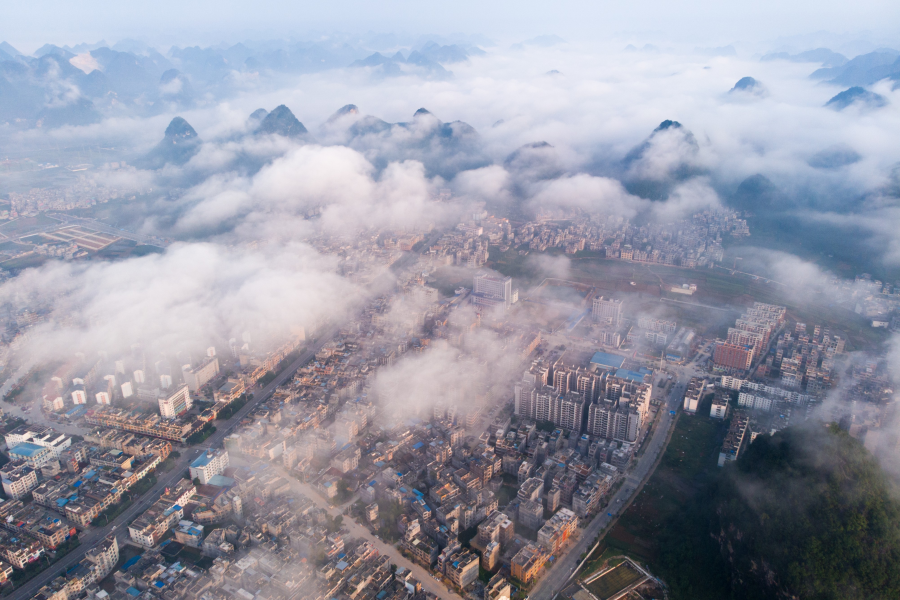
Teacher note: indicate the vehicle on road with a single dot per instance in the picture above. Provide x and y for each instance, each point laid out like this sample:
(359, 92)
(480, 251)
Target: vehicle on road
(609, 514)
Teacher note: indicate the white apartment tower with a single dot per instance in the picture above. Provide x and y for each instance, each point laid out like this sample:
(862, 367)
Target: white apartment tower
(491, 290)
(608, 310)
(173, 404)
(197, 377)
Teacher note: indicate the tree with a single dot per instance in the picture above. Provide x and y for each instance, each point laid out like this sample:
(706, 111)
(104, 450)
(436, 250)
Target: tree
(814, 507)
(197, 481)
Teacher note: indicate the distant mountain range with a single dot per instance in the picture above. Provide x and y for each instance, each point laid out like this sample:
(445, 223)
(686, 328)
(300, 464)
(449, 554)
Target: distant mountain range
(837, 69)
(132, 78)
(426, 60)
(857, 96)
(444, 148)
(863, 70)
(824, 56)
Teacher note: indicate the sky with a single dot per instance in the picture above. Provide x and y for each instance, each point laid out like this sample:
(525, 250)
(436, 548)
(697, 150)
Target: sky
(30, 24)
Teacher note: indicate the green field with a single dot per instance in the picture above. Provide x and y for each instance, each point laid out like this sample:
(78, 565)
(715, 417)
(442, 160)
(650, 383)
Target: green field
(23, 262)
(662, 527)
(612, 582)
(25, 225)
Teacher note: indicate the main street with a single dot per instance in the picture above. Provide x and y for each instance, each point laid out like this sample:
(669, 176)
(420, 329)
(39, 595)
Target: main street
(429, 583)
(93, 535)
(556, 578)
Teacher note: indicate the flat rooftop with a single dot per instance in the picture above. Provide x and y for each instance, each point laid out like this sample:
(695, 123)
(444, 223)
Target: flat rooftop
(608, 360)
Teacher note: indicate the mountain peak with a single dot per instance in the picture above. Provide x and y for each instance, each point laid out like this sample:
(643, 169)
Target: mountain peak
(7, 47)
(745, 83)
(179, 129)
(347, 109)
(177, 147)
(281, 121)
(421, 112)
(856, 96)
(668, 124)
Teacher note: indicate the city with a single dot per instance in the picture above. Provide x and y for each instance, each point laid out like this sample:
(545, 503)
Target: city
(558, 346)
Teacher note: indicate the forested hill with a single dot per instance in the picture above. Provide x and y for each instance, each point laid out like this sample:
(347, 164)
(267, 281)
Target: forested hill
(809, 514)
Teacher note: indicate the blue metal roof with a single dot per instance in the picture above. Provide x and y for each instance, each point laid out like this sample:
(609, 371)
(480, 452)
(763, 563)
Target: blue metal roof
(608, 360)
(202, 460)
(26, 449)
(631, 375)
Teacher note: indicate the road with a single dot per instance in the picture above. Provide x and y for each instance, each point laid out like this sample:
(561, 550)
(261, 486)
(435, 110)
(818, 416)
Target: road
(556, 578)
(94, 534)
(429, 584)
(223, 428)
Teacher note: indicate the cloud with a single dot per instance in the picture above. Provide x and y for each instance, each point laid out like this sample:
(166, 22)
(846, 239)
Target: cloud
(589, 193)
(688, 198)
(191, 295)
(336, 182)
(546, 265)
(85, 62)
(455, 375)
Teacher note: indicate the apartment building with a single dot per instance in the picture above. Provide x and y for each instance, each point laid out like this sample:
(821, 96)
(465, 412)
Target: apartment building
(208, 465)
(19, 478)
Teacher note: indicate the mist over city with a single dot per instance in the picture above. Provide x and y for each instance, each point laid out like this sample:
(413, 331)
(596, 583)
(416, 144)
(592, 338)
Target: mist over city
(499, 301)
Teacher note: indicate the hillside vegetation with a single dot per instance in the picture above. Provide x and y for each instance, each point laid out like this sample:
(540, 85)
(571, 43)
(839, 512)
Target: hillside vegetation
(808, 513)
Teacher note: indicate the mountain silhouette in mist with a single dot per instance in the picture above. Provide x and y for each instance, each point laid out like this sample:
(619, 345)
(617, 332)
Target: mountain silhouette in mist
(756, 194)
(826, 57)
(857, 96)
(281, 121)
(665, 158)
(834, 157)
(864, 69)
(177, 147)
(748, 86)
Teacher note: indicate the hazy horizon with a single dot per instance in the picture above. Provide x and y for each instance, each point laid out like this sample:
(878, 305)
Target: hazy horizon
(167, 23)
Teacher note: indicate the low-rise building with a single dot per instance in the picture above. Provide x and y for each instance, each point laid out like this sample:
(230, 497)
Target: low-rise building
(490, 557)
(36, 456)
(189, 533)
(527, 562)
(19, 478)
(149, 528)
(531, 514)
(555, 532)
(208, 465)
(462, 569)
(693, 394)
(498, 588)
(36, 522)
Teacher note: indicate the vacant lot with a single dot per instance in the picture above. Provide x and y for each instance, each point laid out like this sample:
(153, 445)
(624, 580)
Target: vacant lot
(685, 467)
